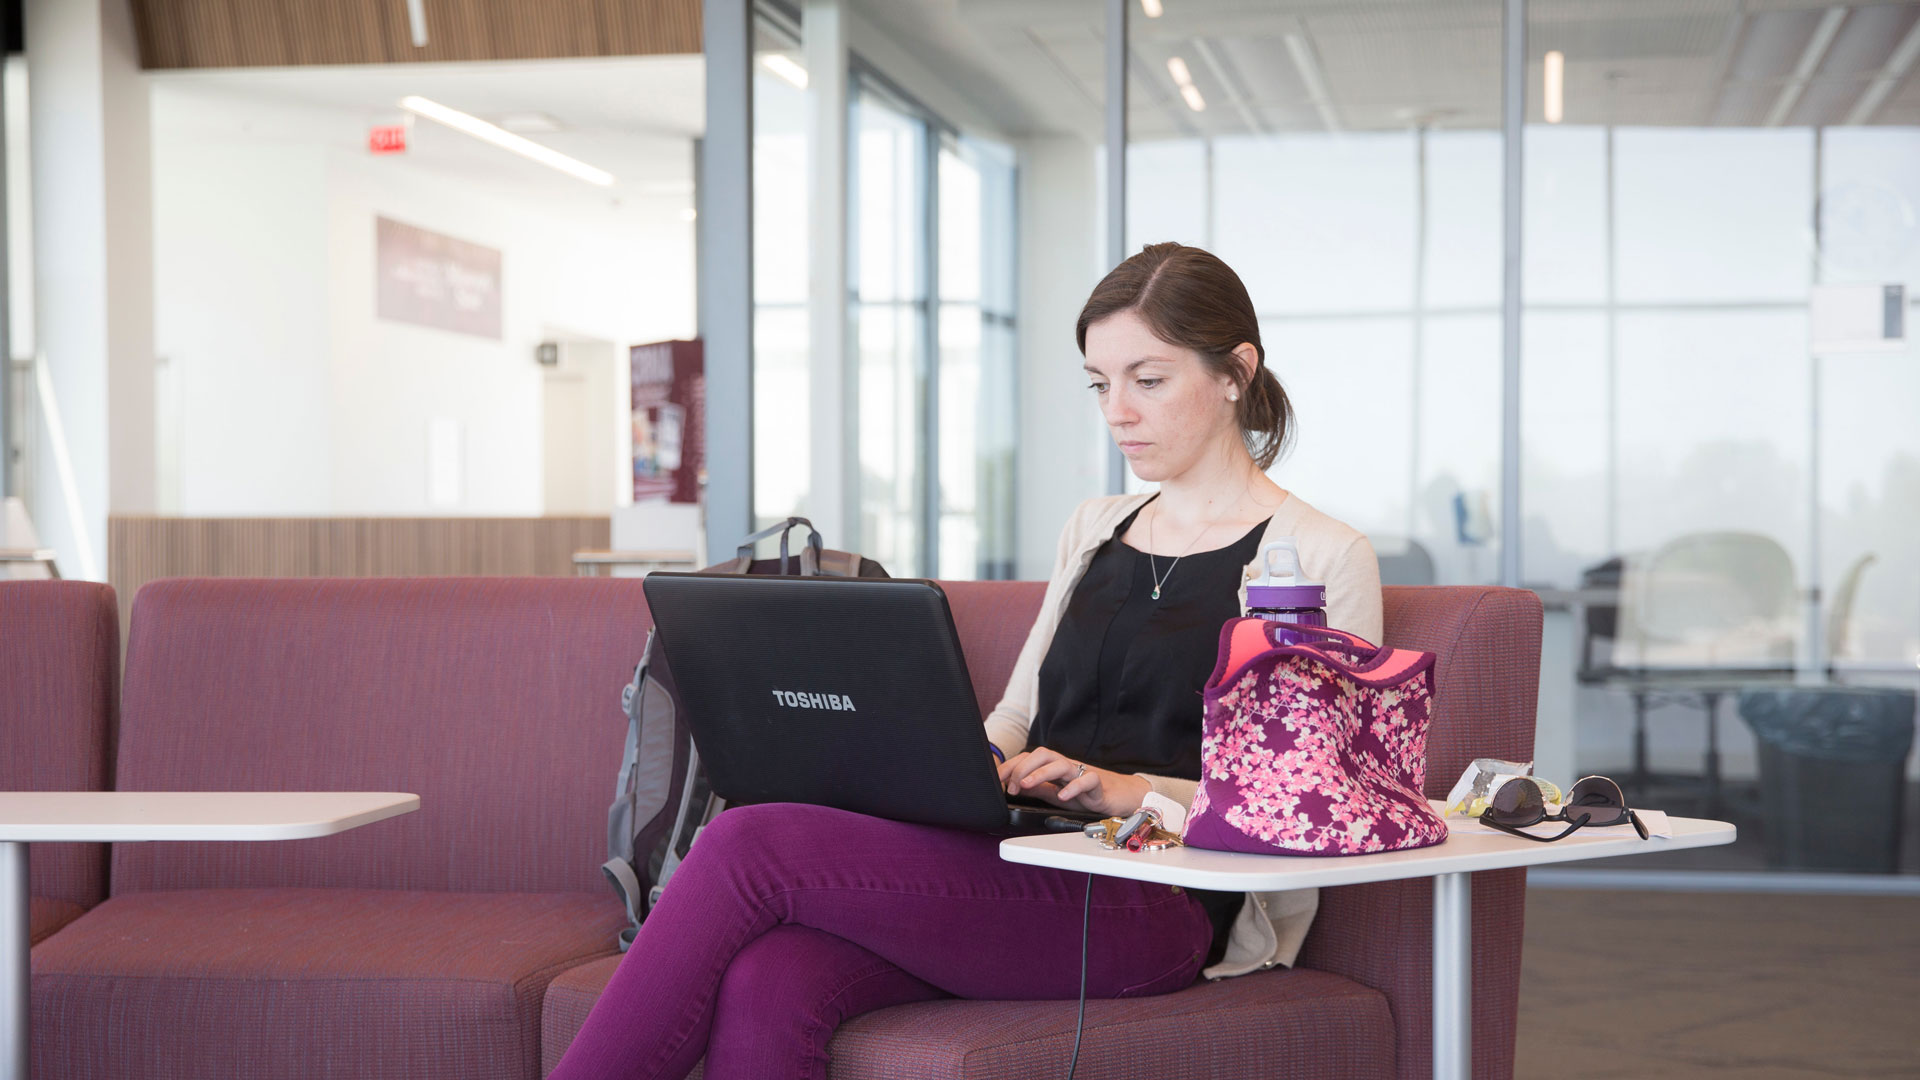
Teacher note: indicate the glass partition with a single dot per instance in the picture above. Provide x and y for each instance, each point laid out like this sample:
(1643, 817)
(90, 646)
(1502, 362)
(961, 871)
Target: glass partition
(1357, 194)
(1719, 470)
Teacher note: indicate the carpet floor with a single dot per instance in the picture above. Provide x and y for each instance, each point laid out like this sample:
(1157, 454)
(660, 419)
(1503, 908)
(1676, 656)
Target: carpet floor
(1647, 985)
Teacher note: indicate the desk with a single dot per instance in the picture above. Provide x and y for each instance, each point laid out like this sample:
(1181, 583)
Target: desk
(1469, 847)
(42, 556)
(592, 563)
(1565, 639)
(124, 816)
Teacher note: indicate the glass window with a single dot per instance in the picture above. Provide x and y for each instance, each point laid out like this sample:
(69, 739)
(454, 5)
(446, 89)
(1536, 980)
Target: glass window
(977, 377)
(782, 346)
(1869, 446)
(891, 311)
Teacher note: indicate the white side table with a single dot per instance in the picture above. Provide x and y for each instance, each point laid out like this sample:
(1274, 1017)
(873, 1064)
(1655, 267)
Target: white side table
(124, 816)
(1469, 847)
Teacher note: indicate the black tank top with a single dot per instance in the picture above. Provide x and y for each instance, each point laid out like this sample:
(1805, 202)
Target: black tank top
(1120, 685)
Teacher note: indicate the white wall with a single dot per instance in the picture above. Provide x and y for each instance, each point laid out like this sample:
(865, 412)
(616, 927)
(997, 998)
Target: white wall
(240, 298)
(295, 398)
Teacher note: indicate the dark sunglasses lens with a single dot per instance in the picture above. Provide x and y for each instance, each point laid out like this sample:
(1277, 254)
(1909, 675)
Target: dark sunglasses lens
(1596, 800)
(1518, 802)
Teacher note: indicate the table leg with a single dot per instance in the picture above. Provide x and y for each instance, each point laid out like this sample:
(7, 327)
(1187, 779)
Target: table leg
(1452, 976)
(15, 973)
(1711, 698)
(1641, 778)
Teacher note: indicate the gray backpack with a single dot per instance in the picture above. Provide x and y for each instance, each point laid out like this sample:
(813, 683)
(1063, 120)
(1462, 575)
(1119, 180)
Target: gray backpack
(661, 799)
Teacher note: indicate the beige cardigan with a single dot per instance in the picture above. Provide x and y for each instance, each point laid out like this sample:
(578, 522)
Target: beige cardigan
(1271, 926)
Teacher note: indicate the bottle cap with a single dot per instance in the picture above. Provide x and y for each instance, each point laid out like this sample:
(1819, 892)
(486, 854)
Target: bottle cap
(1284, 585)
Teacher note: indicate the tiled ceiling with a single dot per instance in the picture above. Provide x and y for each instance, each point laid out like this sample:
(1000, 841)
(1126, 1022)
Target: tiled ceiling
(1281, 65)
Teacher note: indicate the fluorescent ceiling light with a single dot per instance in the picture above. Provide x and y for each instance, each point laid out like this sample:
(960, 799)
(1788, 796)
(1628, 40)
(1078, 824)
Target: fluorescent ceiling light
(1151, 8)
(782, 65)
(1194, 100)
(505, 140)
(417, 22)
(1553, 80)
(1178, 69)
(530, 123)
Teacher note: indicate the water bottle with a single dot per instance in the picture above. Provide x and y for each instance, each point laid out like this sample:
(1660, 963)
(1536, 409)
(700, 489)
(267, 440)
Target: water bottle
(1283, 594)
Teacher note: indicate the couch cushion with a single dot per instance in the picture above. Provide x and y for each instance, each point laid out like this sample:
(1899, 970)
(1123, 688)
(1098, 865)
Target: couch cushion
(45, 915)
(570, 997)
(60, 674)
(349, 983)
(1304, 1024)
(496, 700)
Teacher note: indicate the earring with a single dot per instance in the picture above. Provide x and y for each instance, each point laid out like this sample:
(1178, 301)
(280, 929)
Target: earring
(1233, 397)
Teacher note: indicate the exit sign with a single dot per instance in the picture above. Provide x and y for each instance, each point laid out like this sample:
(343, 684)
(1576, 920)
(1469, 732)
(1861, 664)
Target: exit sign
(387, 138)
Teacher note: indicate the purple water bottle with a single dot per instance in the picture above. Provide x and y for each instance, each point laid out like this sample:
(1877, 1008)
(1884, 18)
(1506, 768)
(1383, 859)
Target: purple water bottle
(1283, 594)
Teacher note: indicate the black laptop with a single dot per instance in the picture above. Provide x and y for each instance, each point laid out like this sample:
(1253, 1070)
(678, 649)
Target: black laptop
(844, 692)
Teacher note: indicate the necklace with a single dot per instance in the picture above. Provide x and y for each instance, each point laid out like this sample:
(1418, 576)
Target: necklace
(1158, 578)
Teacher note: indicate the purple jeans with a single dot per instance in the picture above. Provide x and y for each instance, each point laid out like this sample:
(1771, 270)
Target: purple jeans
(785, 920)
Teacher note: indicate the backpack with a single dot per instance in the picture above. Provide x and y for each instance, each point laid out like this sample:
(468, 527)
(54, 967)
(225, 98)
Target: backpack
(661, 799)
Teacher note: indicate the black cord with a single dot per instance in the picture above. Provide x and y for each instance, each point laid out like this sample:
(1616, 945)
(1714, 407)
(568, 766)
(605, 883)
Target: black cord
(1079, 1025)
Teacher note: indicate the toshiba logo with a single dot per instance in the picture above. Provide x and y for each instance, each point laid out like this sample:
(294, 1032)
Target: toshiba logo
(794, 700)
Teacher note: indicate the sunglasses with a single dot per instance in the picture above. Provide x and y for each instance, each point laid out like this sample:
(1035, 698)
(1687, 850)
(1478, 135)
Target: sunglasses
(1595, 800)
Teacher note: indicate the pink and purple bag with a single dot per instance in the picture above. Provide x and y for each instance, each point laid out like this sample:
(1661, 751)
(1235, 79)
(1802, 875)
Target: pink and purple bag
(1314, 743)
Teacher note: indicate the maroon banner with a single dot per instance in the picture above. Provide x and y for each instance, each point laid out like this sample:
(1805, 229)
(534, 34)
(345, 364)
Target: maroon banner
(428, 279)
(669, 420)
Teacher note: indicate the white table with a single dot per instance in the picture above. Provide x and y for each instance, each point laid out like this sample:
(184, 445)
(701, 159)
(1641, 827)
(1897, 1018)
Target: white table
(1469, 847)
(125, 816)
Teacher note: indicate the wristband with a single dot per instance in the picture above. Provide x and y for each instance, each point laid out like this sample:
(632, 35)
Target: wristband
(998, 755)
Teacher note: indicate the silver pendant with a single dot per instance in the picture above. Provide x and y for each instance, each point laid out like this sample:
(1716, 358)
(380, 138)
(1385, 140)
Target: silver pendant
(1156, 592)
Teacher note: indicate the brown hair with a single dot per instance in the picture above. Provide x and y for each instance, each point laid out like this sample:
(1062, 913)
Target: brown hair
(1189, 298)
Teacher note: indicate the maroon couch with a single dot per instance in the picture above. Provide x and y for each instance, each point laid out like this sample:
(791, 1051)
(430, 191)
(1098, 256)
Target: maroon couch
(414, 947)
(59, 688)
(1359, 1004)
(470, 938)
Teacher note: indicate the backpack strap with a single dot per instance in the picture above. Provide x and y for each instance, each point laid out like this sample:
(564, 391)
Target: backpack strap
(743, 558)
(650, 772)
(618, 868)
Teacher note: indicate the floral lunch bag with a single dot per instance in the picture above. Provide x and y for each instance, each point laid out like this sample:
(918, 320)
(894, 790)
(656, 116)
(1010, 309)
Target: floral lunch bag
(1315, 743)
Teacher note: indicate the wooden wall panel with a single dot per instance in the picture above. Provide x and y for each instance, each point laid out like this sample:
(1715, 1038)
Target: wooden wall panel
(280, 33)
(143, 549)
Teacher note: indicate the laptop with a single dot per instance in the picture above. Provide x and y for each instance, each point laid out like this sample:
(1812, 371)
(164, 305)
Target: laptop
(843, 692)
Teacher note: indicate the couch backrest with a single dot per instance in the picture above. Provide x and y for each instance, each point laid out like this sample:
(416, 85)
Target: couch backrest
(1486, 643)
(496, 700)
(59, 692)
(992, 618)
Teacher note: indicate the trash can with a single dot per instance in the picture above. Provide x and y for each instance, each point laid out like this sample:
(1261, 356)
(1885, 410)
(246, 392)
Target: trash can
(1833, 773)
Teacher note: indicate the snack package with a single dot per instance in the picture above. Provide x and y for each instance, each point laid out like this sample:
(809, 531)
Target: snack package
(1469, 796)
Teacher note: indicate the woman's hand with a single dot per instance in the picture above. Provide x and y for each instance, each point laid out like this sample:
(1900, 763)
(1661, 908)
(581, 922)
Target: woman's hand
(1058, 779)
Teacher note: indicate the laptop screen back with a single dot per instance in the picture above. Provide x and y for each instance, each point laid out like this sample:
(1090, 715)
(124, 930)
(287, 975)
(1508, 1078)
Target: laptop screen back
(845, 692)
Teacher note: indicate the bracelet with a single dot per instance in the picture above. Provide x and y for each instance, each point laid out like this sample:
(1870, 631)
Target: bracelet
(998, 754)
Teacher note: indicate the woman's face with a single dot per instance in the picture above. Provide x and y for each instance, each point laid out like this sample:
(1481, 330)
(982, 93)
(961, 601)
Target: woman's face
(1166, 411)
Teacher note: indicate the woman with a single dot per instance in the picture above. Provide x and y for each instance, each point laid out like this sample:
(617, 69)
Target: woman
(811, 915)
